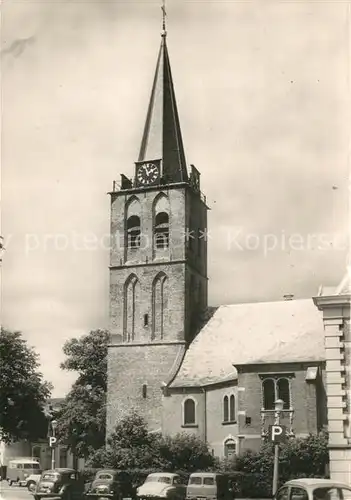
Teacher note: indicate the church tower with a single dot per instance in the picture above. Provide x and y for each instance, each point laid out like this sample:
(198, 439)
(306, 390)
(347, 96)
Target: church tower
(158, 261)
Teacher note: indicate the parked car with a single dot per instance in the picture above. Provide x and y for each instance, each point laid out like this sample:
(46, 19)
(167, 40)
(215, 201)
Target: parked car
(313, 489)
(111, 484)
(210, 486)
(162, 485)
(67, 484)
(32, 481)
(18, 470)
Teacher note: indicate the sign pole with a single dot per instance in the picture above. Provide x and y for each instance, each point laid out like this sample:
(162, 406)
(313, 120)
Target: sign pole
(52, 442)
(276, 468)
(276, 431)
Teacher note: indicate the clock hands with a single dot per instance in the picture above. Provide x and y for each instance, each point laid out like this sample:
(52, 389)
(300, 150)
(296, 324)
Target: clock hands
(147, 173)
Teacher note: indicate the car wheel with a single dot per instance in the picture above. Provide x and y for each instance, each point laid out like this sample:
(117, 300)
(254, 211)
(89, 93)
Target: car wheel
(31, 486)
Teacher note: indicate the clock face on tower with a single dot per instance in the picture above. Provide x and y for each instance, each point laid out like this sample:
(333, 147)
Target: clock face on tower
(147, 174)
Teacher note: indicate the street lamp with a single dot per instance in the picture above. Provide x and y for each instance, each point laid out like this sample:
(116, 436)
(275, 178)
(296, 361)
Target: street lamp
(278, 408)
(53, 427)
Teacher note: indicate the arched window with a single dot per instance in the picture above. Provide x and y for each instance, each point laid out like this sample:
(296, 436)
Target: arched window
(161, 231)
(133, 231)
(229, 449)
(159, 305)
(269, 398)
(225, 409)
(232, 408)
(131, 304)
(283, 391)
(189, 417)
(273, 389)
(161, 210)
(133, 227)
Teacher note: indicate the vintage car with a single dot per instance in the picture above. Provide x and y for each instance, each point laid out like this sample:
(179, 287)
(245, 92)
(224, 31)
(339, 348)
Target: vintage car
(67, 484)
(111, 484)
(162, 485)
(209, 485)
(313, 489)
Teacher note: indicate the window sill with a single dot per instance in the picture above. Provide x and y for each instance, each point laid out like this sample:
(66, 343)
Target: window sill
(191, 426)
(229, 422)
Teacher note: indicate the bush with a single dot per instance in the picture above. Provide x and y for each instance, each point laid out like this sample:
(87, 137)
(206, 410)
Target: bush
(185, 451)
(132, 447)
(298, 457)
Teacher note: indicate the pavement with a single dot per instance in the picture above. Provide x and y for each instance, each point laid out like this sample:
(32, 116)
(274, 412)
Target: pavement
(14, 492)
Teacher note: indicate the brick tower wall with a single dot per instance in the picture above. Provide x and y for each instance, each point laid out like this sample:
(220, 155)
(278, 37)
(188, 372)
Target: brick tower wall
(129, 368)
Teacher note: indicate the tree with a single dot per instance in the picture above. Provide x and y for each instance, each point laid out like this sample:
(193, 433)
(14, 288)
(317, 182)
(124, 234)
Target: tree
(82, 419)
(23, 392)
(308, 457)
(185, 452)
(131, 446)
(299, 457)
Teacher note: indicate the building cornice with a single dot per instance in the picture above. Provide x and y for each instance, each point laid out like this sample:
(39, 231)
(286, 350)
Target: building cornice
(325, 301)
(147, 344)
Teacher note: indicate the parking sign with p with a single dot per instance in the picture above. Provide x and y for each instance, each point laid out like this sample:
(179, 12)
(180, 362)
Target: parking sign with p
(52, 441)
(277, 433)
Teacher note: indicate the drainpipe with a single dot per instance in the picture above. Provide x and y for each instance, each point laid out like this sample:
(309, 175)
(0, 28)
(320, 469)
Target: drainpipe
(205, 413)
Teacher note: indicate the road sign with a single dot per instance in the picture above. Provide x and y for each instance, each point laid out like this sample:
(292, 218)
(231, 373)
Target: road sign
(277, 433)
(52, 441)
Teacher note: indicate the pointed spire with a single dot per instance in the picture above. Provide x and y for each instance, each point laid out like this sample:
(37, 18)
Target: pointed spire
(162, 138)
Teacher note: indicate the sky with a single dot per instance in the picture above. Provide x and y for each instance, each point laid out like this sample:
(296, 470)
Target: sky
(263, 98)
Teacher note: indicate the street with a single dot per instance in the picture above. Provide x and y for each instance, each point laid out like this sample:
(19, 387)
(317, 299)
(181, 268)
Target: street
(13, 492)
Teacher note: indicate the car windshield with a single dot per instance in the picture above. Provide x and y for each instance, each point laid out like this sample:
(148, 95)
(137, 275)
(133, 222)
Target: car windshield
(158, 479)
(31, 466)
(50, 476)
(104, 476)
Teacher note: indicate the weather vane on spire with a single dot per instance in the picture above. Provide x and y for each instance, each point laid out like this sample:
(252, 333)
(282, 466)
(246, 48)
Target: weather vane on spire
(163, 8)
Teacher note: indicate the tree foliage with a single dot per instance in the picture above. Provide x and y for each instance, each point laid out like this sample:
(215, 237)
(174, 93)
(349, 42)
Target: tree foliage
(299, 457)
(131, 446)
(87, 356)
(23, 392)
(82, 419)
(185, 452)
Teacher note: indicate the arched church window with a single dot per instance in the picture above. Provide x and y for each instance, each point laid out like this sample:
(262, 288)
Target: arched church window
(225, 409)
(159, 304)
(283, 391)
(133, 231)
(232, 408)
(133, 225)
(269, 398)
(131, 303)
(161, 231)
(161, 210)
(189, 410)
(273, 389)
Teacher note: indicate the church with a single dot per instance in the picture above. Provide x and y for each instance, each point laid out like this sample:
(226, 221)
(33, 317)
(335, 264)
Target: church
(214, 372)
